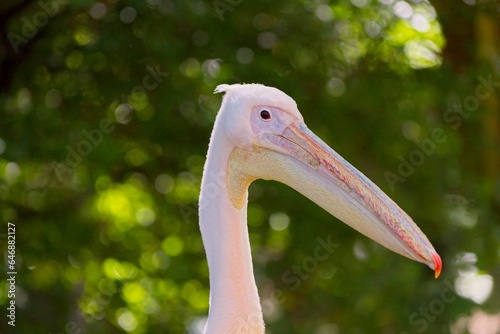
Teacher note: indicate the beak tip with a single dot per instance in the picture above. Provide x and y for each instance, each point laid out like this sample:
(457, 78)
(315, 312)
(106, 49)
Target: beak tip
(438, 265)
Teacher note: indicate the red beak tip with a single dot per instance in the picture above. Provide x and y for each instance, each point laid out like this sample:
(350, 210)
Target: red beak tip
(438, 265)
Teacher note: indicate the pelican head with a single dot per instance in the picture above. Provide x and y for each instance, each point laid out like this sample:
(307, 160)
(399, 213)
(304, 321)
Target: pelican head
(271, 141)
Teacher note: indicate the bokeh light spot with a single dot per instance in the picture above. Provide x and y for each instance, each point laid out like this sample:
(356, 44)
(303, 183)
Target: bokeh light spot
(98, 10)
(145, 216)
(126, 320)
(123, 113)
(128, 14)
(420, 23)
(173, 245)
(12, 172)
(403, 9)
(335, 87)
(279, 221)
(267, 40)
(244, 55)
(324, 13)
(164, 183)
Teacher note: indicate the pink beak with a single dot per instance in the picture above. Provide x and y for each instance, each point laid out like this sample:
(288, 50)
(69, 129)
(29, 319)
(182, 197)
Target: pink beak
(311, 167)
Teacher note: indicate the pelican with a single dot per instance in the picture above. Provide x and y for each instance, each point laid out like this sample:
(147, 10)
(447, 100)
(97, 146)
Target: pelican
(260, 134)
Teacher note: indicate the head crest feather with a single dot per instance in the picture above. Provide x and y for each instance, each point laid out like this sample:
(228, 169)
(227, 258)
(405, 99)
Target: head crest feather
(221, 88)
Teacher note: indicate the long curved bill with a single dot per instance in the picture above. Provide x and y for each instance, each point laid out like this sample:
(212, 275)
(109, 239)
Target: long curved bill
(298, 158)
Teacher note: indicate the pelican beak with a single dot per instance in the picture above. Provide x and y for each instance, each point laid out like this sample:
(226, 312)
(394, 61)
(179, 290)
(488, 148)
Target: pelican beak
(298, 158)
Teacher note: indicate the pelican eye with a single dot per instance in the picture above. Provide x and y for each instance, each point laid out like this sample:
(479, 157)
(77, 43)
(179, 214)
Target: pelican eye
(265, 115)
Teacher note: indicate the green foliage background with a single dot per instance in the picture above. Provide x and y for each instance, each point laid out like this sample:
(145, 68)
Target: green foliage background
(108, 241)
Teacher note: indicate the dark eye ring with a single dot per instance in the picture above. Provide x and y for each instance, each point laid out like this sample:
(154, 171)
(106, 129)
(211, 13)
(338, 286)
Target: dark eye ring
(265, 115)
